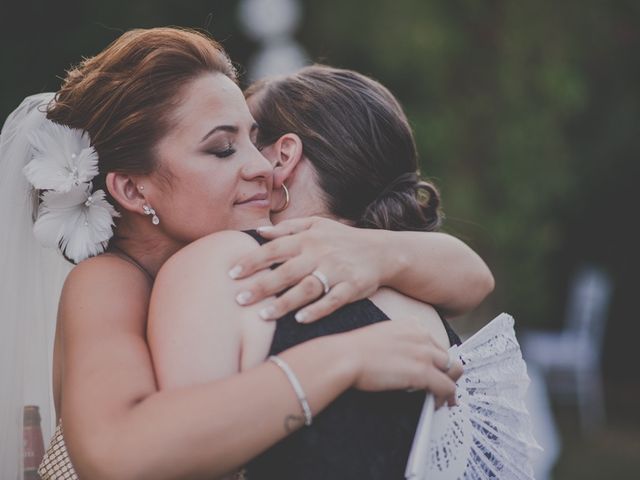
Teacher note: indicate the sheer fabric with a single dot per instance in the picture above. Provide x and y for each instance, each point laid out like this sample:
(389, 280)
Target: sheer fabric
(31, 278)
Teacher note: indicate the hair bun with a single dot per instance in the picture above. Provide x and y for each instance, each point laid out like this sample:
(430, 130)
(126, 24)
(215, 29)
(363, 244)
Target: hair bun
(407, 203)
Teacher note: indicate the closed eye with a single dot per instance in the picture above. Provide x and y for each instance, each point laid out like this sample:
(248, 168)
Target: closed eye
(227, 152)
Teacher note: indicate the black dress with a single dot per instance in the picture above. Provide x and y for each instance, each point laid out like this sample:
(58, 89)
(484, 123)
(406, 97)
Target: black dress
(361, 435)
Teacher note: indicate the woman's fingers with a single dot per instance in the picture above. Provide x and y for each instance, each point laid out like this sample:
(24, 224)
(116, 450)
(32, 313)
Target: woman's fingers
(298, 296)
(438, 383)
(441, 379)
(338, 296)
(287, 227)
(262, 258)
(304, 293)
(448, 363)
(275, 281)
(456, 370)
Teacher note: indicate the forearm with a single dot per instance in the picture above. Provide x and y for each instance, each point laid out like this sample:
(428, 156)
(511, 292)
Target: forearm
(435, 268)
(213, 429)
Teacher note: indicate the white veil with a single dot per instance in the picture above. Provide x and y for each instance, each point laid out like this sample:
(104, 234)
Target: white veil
(31, 278)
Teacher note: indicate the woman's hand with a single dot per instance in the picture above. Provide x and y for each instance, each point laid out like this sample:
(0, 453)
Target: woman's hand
(432, 267)
(351, 260)
(401, 355)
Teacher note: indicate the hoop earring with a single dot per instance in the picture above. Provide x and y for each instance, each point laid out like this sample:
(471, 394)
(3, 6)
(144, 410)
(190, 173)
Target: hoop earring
(150, 211)
(287, 200)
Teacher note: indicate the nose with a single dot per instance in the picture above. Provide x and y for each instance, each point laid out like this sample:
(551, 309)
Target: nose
(257, 167)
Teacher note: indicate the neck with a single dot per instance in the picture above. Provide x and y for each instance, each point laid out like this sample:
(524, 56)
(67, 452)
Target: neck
(147, 248)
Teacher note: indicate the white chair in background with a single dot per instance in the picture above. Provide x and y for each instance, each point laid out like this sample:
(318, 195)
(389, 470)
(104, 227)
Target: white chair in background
(570, 359)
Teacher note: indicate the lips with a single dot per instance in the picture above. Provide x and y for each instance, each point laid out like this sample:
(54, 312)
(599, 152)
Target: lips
(257, 198)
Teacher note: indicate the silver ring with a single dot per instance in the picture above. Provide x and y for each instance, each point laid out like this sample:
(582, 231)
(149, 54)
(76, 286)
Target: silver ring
(323, 280)
(450, 357)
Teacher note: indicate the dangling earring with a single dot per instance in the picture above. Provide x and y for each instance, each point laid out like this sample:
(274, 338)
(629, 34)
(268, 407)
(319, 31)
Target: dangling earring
(287, 199)
(150, 211)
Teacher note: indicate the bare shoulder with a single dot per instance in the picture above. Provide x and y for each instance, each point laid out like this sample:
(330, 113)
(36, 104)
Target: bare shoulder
(220, 248)
(398, 307)
(102, 286)
(197, 330)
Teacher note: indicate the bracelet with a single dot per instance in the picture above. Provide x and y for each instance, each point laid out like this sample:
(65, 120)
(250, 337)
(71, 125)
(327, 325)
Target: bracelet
(302, 398)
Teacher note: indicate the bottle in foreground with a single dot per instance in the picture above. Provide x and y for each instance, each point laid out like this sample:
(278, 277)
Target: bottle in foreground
(33, 451)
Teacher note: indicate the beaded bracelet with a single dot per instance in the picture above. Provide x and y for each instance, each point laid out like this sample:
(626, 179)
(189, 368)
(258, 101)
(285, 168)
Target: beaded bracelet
(302, 398)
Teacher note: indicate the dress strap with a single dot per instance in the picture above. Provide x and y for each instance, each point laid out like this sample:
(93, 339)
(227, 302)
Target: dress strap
(256, 236)
(128, 258)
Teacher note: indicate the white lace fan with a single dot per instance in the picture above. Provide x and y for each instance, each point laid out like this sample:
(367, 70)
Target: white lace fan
(488, 434)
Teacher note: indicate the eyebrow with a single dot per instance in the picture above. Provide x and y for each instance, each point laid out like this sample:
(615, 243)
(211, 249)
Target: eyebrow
(227, 128)
(220, 128)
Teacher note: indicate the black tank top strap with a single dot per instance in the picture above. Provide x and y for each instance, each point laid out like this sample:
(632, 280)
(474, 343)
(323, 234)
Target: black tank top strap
(454, 339)
(361, 435)
(256, 236)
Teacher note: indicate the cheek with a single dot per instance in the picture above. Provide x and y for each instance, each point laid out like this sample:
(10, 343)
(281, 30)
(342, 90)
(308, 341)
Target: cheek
(209, 197)
(198, 206)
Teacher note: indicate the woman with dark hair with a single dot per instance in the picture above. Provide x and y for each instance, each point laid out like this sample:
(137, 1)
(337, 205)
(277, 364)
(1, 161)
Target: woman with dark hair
(341, 148)
(147, 147)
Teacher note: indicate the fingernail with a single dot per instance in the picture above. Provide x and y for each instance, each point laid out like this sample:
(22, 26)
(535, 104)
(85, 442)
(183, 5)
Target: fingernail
(301, 317)
(267, 313)
(264, 229)
(235, 271)
(243, 298)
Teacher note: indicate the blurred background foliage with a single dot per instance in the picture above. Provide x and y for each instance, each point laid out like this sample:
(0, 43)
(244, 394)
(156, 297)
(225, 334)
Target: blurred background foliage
(526, 115)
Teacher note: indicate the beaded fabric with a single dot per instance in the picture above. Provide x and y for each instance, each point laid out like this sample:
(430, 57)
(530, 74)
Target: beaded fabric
(56, 464)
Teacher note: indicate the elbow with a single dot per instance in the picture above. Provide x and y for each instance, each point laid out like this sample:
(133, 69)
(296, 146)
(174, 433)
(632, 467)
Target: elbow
(478, 288)
(486, 283)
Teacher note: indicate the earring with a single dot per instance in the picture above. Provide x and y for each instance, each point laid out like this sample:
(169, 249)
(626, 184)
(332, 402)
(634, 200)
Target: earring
(150, 211)
(287, 199)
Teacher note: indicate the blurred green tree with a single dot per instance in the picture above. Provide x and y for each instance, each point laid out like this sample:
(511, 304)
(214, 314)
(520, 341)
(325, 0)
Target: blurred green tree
(519, 108)
(526, 114)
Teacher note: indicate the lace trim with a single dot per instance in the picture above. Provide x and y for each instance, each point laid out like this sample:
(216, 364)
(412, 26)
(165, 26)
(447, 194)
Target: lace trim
(488, 434)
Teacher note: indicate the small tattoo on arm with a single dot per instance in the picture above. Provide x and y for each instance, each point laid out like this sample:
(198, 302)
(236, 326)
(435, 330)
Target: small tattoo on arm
(293, 422)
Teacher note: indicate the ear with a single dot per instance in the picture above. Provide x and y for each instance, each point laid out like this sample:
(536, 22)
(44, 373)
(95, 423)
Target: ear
(124, 189)
(288, 149)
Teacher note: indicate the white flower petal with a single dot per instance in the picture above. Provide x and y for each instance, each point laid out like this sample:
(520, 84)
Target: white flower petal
(63, 158)
(87, 164)
(48, 228)
(70, 216)
(62, 200)
(56, 211)
(100, 217)
(45, 174)
(77, 243)
(80, 223)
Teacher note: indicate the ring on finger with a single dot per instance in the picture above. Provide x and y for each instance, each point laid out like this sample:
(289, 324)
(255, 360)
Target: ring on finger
(451, 356)
(323, 280)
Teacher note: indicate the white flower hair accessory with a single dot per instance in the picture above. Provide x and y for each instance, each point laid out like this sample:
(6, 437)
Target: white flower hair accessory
(71, 216)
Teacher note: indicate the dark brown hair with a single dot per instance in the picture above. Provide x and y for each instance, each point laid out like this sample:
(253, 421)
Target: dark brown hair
(358, 140)
(124, 95)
